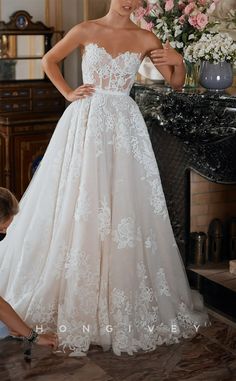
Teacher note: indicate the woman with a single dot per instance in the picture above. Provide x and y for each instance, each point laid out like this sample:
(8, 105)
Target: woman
(9, 320)
(98, 260)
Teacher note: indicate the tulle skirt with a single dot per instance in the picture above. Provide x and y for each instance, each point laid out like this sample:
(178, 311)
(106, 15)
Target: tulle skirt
(92, 253)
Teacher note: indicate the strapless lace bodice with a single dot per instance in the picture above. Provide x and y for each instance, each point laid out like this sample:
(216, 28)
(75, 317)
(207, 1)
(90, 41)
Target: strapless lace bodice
(106, 266)
(115, 74)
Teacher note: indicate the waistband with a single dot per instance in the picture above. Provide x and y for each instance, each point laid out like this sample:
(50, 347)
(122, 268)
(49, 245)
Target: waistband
(110, 92)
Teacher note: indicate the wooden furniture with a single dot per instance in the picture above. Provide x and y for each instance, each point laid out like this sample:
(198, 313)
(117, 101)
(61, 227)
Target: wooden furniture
(29, 109)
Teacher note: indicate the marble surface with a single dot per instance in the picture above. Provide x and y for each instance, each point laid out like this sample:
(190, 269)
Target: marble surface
(192, 114)
(210, 356)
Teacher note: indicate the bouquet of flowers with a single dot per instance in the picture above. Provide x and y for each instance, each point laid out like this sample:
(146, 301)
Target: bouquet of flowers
(179, 21)
(212, 47)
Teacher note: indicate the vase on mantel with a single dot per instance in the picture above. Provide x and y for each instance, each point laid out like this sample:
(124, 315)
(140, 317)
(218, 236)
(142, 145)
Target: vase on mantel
(216, 77)
(192, 74)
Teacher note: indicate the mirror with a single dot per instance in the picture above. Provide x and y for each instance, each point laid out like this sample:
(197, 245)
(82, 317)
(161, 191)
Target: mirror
(21, 57)
(22, 46)
(20, 70)
(12, 46)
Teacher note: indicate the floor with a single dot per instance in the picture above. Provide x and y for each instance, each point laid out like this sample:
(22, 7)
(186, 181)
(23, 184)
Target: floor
(210, 356)
(217, 272)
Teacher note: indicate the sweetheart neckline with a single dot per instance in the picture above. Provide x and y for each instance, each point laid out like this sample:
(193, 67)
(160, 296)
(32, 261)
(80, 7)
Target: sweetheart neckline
(137, 54)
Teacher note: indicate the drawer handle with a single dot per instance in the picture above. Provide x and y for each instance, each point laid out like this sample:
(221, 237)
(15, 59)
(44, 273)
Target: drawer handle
(15, 93)
(15, 105)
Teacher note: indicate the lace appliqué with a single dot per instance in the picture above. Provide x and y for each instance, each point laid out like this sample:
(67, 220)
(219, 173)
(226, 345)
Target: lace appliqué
(104, 219)
(157, 199)
(63, 273)
(151, 243)
(116, 73)
(162, 283)
(127, 234)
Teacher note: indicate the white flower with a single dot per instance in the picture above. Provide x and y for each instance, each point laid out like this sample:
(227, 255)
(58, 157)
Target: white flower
(178, 31)
(179, 45)
(171, 24)
(211, 9)
(212, 47)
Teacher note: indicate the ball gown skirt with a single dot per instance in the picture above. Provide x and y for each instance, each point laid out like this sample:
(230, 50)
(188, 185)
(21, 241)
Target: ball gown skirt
(91, 253)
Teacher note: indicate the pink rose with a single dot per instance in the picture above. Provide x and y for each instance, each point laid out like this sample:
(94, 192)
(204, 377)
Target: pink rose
(140, 12)
(202, 2)
(192, 21)
(169, 5)
(149, 26)
(189, 8)
(182, 19)
(202, 21)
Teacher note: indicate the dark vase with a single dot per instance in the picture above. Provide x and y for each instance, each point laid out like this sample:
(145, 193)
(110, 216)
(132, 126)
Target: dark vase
(216, 76)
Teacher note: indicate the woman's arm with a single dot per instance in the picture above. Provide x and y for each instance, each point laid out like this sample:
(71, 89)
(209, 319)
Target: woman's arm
(9, 317)
(13, 321)
(72, 40)
(167, 60)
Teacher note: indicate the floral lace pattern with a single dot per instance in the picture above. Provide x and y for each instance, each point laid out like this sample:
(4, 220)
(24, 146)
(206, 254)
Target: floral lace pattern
(104, 219)
(126, 235)
(92, 253)
(116, 73)
(162, 283)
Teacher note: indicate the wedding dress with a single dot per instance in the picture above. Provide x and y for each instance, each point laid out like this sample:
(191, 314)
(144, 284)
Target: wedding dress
(91, 253)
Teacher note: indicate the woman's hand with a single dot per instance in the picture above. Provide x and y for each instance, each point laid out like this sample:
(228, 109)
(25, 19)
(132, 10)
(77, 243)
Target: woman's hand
(81, 92)
(48, 340)
(166, 56)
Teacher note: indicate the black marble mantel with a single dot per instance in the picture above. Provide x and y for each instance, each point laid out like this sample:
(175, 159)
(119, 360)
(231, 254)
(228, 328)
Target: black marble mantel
(189, 129)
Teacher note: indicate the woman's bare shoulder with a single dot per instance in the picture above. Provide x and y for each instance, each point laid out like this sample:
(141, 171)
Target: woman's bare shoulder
(146, 40)
(150, 39)
(85, 26)
(83, 31)
(92, 24)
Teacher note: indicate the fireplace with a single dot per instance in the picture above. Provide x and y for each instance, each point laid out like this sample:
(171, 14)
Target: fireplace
(193, 136)
(213, 205)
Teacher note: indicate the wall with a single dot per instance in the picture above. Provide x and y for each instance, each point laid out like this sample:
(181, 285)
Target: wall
(210, 200)
(35, 8)
(96, 9)
(72, 15)
(223, 8)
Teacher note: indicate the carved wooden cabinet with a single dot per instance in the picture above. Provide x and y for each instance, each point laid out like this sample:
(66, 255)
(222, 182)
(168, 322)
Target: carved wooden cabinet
(29, 112)
(29, 108)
